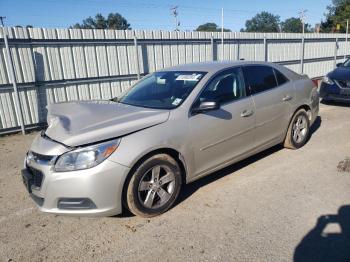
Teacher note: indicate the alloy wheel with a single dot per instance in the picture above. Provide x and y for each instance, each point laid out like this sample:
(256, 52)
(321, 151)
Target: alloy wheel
(300, 129)
(156, 187)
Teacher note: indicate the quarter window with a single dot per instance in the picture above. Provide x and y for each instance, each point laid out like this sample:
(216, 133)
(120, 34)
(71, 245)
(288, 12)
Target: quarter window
(281, 79)
(259, 78)
(226, 86)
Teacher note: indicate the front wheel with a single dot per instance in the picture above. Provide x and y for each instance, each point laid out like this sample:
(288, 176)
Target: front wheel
(298, 130)
(154, 186)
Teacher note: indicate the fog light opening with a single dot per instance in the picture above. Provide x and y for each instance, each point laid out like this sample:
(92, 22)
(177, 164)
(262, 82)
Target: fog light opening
(76, 203)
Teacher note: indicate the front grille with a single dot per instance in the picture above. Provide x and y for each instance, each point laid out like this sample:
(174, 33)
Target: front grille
(38, 176)
(39, 158)
(343, 83)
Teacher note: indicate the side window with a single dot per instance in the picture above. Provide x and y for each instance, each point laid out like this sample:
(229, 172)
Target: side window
(259, 78)
(226, 86)
(281, 78)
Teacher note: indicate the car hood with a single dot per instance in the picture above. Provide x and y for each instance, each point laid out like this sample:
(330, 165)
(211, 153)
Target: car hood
(340, 73)
(81, 123)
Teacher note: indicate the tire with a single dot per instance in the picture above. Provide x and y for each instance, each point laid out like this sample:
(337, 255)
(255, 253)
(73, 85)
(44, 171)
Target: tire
(293, 140)
(326, 101)
(154, 186)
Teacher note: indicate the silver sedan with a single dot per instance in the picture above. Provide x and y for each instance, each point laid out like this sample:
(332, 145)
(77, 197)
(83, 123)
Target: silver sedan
(172, 127)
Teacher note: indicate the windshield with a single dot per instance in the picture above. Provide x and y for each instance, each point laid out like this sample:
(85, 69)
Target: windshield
(162, 90)
(347, 63)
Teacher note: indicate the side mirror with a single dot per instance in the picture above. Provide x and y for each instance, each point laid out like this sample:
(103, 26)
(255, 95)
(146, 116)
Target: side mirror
(339, 64)
(206, 106)
(114, 99)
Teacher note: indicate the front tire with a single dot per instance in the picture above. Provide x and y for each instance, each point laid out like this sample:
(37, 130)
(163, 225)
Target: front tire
(154, 186)
(298, 130)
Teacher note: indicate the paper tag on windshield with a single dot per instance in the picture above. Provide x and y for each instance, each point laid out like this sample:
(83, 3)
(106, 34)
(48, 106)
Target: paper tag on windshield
(194, 77)
(177, 101)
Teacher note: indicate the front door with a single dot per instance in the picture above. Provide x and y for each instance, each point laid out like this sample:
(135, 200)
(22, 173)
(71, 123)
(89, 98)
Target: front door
(219, 136)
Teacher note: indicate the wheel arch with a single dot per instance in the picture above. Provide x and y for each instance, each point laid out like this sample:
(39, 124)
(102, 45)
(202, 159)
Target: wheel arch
(166, 150)
(306, 107)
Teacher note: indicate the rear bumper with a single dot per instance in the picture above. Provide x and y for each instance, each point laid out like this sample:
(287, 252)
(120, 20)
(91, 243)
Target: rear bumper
(315, 107)
(91, 192)
(335, 97)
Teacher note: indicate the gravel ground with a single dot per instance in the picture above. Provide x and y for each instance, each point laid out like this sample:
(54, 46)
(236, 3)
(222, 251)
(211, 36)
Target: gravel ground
(280, 205)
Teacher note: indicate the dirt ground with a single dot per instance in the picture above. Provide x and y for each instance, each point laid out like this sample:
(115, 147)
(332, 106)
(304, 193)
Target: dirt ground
(281, 205)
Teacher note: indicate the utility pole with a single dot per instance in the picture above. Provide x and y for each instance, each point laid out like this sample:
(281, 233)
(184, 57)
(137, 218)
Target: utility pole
(302, 50)
(302, 18)
(222, 34)
(346, 37)
(11, 72)
(175, 13)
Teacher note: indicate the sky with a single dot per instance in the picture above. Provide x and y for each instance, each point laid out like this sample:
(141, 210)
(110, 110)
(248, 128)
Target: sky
(155, 14)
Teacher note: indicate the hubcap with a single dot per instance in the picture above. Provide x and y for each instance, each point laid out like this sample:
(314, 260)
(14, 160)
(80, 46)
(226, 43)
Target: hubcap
(156, 187)
(299, 129)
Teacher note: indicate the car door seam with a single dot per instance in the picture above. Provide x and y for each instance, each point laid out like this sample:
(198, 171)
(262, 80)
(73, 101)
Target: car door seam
(226, 139)
(270, 120)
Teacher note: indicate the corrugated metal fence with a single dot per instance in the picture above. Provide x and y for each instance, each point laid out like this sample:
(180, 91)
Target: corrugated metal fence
(55, 65)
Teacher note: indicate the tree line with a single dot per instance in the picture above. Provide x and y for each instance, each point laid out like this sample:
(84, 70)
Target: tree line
(336, 15)
(335, 21)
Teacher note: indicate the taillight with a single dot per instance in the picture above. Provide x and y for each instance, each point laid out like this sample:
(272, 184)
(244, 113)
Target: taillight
(315, 81)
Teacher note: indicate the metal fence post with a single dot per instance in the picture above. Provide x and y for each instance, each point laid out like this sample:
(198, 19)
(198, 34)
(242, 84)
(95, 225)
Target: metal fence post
(11, 72)
(137, 57)
(346, 38)
(266, 54)
(335, 52)
(302, 53)
(212, 47)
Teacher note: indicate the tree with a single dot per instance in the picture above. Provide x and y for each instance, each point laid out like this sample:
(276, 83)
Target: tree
(337, 13)
(27, 26)
(113, 21)
(116, 21)
(211, 27)
(294, 25)
(263, 22)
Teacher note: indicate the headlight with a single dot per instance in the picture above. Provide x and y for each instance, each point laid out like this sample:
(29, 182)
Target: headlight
(327, 80)
(86, 157)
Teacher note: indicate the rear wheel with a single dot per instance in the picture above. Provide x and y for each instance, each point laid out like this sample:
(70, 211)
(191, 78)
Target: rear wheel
(154, 186)
(298, 130)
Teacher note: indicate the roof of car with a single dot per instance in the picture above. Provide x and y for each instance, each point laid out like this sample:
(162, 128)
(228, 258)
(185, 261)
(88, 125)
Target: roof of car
(212, 66)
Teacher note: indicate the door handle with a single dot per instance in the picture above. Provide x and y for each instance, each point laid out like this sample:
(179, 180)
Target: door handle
(247, 113)
(287, 98)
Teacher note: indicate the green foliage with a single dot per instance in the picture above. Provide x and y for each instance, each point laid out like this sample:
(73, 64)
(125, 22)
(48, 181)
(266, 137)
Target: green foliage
(294, 25)
(27, 26)
(113, 21)
(337, 13)
(210, 27)
(263, 22)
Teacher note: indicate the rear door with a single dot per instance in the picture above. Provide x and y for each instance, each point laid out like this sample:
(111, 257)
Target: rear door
(272, 93)
(219, 136)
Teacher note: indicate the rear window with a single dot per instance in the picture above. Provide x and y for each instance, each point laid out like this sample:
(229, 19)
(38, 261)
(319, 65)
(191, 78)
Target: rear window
(259, 78)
